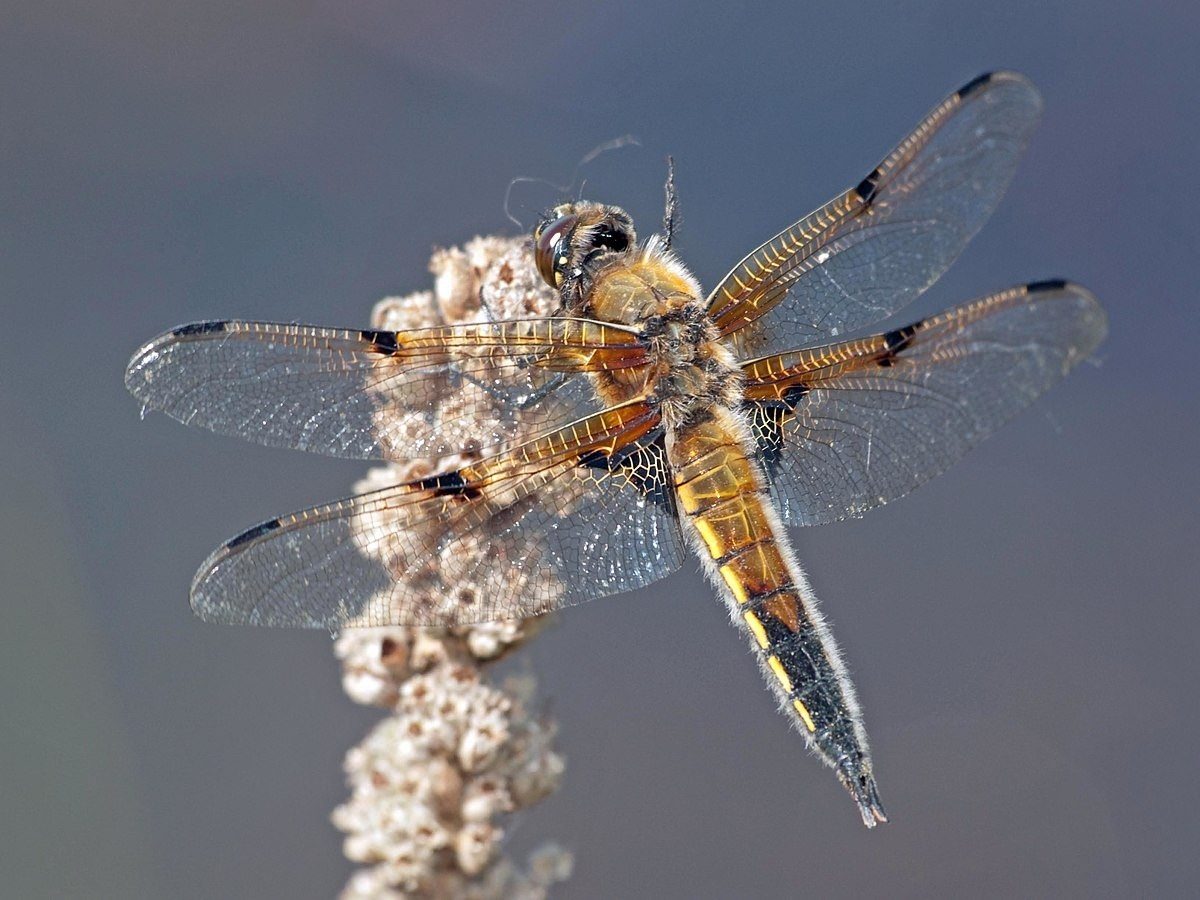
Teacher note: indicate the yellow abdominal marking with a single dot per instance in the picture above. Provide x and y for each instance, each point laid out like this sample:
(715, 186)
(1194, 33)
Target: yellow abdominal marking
(708, 535)
(804, 714)
(760, 633)
(777, 668)
(735, 584)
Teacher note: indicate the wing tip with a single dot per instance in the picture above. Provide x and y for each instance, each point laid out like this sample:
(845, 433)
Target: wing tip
(205, 607)
(1093, 318)
(137, 376)
(205, 603)
(996, 77)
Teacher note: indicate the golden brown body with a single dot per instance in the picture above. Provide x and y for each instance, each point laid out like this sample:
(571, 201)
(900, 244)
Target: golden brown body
(723, 503)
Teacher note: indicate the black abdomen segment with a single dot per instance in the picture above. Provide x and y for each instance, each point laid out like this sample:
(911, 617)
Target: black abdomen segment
(800, 664)
(811, 679)
(721, 496)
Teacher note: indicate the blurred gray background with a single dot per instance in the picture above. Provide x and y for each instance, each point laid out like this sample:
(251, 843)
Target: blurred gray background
(1022, 630)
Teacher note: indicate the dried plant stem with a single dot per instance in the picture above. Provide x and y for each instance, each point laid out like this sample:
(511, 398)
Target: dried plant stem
(431, 782)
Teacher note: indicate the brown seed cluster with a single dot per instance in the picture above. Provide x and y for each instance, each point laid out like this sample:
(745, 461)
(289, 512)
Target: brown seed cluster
(430, 783)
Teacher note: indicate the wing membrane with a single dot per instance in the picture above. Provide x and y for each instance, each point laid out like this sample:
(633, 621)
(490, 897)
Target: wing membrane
(379, 394)
(579, 513)
(846, 427)
(875, 248)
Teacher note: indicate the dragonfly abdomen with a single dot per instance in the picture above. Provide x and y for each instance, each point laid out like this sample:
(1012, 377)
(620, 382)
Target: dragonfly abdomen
(724, 504)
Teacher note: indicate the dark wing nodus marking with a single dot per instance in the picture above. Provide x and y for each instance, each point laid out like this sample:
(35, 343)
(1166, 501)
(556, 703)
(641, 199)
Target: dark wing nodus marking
(643, 464)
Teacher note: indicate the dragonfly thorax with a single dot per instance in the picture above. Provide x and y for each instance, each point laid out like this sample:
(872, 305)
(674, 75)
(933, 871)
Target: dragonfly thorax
(649, 289)
(695, 370)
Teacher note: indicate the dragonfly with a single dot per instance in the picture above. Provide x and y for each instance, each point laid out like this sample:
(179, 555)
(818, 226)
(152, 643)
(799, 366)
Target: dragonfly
(594, 449)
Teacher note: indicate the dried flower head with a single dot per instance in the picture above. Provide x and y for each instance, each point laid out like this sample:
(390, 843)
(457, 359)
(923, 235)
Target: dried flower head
(430, 783)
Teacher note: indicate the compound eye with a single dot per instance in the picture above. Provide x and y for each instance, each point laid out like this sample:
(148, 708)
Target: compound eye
(550, 248)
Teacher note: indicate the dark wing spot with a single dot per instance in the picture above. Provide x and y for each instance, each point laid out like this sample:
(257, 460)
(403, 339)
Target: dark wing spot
(794, 395)
(252, 534)
(974, 84)
(766, 424)
(594, 459)
(200, 328)
(895, 341)
(450, 484)
(1039, 287)
(868, 186)
(642, 464)
(380, 341)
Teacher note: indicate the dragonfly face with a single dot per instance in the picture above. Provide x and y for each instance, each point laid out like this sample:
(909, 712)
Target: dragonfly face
(572, 238)
(647, 419)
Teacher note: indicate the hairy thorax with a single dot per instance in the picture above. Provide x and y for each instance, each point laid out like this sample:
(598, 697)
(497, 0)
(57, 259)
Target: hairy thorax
(651, 290)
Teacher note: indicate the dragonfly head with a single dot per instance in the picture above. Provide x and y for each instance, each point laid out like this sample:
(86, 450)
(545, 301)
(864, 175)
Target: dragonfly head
(573, 235)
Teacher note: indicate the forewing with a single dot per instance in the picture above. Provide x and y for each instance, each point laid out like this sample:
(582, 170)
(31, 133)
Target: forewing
(875, 248)
(846, 427)
(580, 513)
(380, 394)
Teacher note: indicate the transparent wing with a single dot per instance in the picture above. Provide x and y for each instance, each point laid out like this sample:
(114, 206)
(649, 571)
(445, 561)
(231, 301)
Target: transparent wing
(379, 394)
(850, 426)
(875, 248)
(580, 513)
